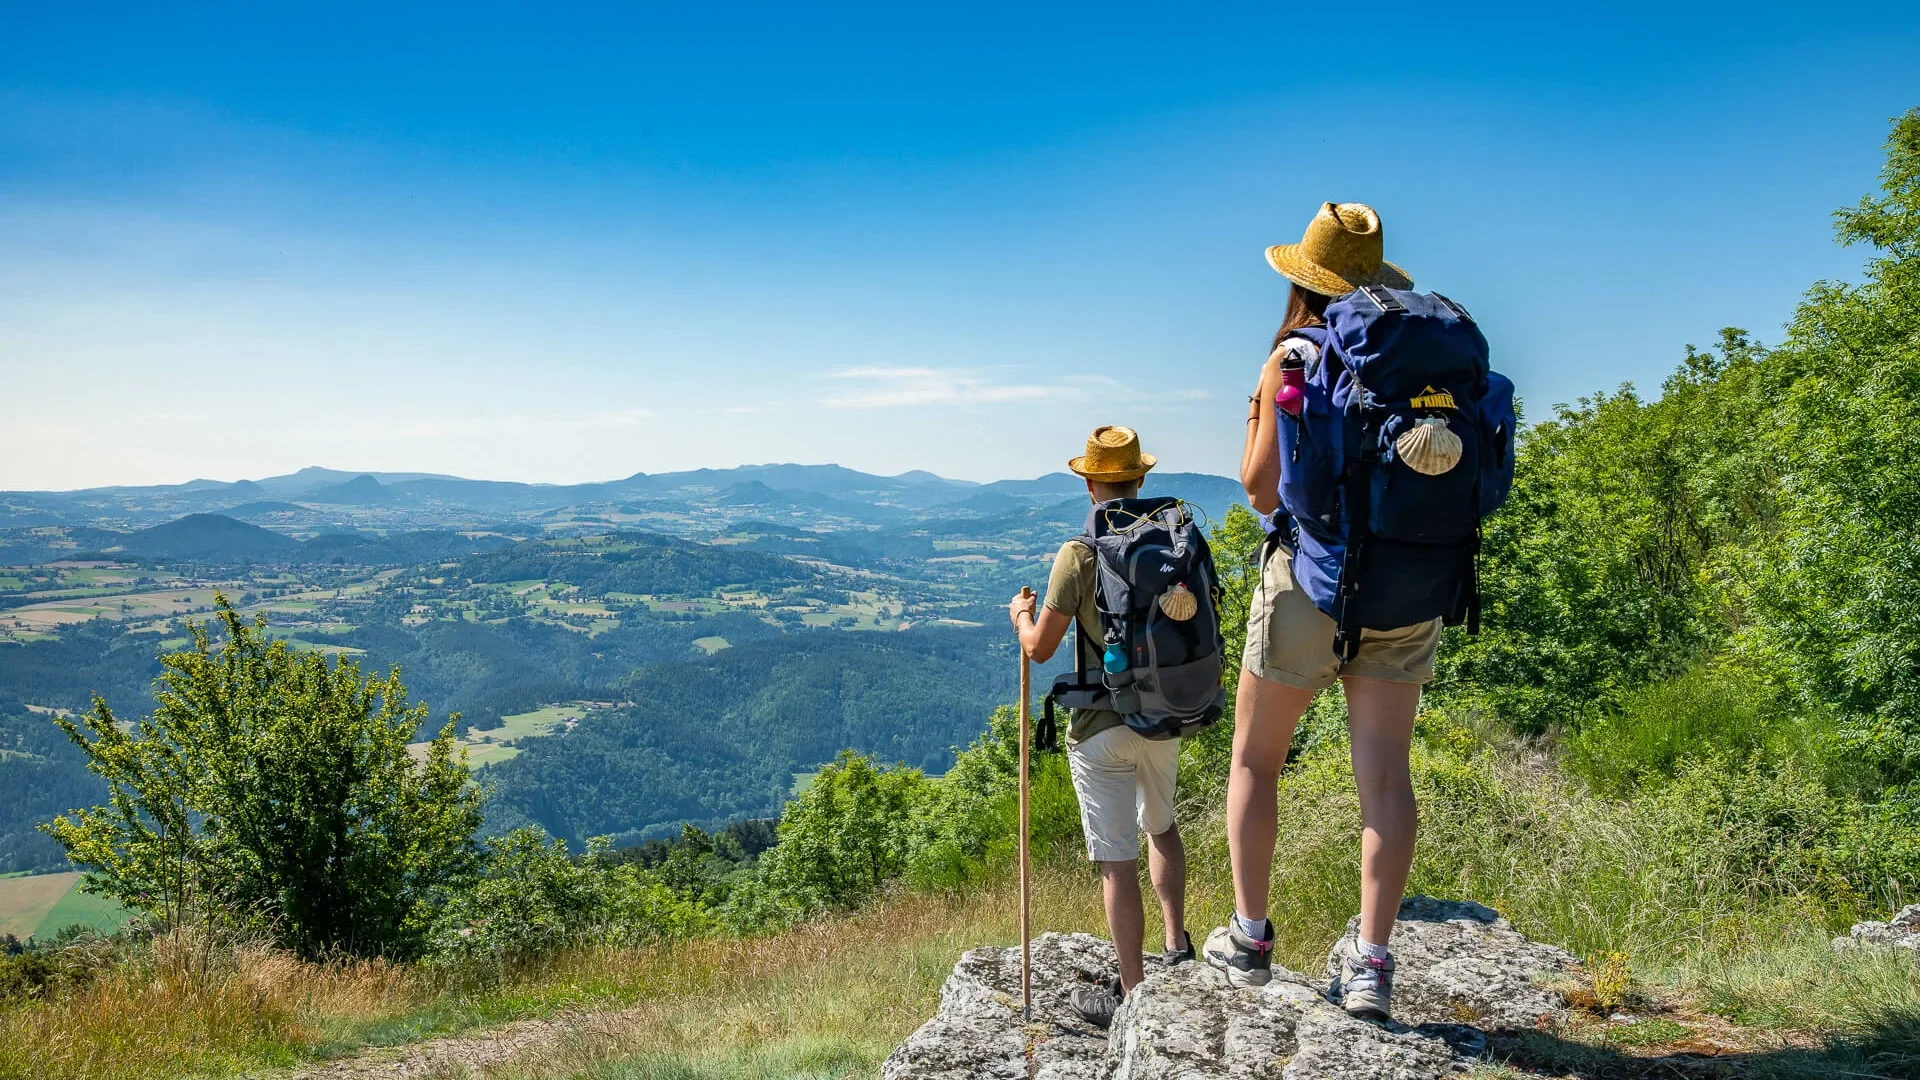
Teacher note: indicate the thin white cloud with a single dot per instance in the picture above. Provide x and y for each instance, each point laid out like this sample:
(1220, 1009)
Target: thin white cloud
(897, 387)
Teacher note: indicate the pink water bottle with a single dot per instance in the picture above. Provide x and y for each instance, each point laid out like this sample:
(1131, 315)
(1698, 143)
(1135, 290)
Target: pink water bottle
(1292, 395)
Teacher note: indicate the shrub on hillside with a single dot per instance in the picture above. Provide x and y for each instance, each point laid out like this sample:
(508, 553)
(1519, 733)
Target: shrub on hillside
(70, 959)
(847, 834)
(1764, 506)
(532, 898)
(29, 974)
(1704, 712)
(1834, 589)
(273, 790)
(988, 772)
(859, 826)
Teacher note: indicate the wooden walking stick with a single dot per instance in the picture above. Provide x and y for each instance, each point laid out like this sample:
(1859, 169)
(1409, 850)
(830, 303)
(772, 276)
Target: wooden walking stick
(1026, 933)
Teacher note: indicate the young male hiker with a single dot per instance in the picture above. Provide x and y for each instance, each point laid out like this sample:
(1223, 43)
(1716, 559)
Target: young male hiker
(1124, 780)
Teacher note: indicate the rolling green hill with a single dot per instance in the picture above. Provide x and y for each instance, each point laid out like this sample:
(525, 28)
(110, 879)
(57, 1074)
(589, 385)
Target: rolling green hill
(210, 538)
(632, 562)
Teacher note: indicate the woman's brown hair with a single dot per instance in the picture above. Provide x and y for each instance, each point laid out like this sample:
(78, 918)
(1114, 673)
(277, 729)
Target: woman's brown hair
(1304, 308)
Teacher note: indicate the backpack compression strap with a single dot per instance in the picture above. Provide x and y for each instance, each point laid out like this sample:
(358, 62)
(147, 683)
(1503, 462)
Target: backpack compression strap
(1046, 730)
(1346, 604)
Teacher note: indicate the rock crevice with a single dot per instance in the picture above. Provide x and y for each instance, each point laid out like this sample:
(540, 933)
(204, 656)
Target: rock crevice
(1464, 973)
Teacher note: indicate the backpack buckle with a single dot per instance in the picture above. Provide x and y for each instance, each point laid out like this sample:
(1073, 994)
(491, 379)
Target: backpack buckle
(1453, 307)
(1384, 300)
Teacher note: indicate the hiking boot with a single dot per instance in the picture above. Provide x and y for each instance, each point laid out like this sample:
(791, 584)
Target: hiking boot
(1247, 961)
(1364, 985)
(1181, 955)
(1097, 1004)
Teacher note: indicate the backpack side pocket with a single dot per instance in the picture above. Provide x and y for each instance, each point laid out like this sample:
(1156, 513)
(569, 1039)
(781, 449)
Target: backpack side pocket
(1497, 426)
(1311, 452)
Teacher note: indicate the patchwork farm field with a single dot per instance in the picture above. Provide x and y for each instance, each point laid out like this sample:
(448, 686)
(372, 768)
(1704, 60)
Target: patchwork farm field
(40, 905)
(44, 600)
(490, 745)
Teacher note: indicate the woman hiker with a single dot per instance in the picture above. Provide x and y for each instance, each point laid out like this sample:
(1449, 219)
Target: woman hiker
(1290, 657)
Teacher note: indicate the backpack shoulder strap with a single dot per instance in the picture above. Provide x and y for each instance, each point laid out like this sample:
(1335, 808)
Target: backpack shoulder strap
(1316, 336)
(1080, 632)
(1320, 349)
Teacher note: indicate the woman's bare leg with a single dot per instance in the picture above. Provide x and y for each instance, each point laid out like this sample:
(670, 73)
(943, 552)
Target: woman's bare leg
(1264, 717)
(1380, 721)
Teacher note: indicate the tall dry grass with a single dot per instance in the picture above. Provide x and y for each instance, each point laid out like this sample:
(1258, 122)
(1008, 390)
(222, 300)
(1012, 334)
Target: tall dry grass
(1675, 889)
(184, 1004)
(849, 985)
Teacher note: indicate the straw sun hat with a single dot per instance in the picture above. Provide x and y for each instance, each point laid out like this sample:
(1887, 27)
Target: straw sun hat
(1341, 251)
(1113, 456)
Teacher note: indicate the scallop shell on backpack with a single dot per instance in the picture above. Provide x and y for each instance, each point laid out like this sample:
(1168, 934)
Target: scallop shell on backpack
(1429, 446)
(1179, 603)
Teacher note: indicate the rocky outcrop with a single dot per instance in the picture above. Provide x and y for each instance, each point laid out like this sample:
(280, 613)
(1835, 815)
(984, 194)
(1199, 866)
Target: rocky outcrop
(1463, 973)
(1900, 932)
(977, 1031)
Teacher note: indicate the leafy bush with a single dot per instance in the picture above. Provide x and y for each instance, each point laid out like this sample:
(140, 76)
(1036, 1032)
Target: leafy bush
(859, 826)
(847, 834)
(534, 898)
(71, 959)
(1703, 713)
(989, 772)
(274, 790)
(28, 974)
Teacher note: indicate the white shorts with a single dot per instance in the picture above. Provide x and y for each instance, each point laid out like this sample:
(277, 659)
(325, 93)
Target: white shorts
(1125, 784)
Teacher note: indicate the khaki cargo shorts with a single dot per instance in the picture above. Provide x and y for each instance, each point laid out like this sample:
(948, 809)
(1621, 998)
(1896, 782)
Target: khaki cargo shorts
(1125, 784)
(1290, 641)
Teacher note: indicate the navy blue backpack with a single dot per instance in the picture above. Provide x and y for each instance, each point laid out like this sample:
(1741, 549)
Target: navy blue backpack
(1379, 544)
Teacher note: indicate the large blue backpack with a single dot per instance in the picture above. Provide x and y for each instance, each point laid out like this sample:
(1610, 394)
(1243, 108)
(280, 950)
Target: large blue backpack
(1379, 545)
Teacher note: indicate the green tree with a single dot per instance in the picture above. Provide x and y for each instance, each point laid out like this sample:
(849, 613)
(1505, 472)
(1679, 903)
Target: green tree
(1834, 584)
(272, 788)
(1592, 573)
(1757, 526)
(531, 897)
(845, 836)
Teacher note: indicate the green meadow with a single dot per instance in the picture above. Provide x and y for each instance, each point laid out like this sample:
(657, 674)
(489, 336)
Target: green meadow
(40, 905)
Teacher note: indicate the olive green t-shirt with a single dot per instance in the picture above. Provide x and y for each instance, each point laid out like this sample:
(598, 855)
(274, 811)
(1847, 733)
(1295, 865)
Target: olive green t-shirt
(1070, 592)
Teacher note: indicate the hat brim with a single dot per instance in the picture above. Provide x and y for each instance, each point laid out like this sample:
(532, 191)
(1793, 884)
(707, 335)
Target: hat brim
(1147, 462)
(1304, 272)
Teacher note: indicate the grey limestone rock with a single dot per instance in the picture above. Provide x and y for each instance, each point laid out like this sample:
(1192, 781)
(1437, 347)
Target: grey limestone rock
(1462, 972)
(977, 1033)
(1458, 962)
(1187, 1024)
(1900, 932)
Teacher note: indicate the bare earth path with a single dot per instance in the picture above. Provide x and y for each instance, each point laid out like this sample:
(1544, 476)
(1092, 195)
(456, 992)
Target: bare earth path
(454, 1056)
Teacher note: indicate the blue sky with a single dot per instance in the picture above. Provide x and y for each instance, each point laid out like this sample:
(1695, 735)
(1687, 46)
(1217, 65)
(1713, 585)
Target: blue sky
(567, 242)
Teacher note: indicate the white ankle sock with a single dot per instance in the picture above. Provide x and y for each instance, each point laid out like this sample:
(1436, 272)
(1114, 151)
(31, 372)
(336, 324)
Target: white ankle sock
(1369, 949)
(1257, 929)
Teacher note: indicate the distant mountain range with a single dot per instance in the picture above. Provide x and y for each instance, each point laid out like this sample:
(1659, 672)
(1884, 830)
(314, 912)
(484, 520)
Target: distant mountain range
(315, 497)
(215, 538)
